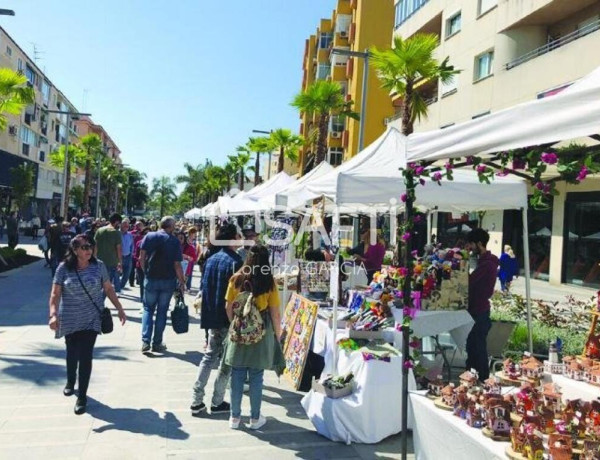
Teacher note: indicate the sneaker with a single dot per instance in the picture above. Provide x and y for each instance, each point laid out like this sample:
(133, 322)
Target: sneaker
(234, 423)
(69, 390)
(160, 348)
(258, 423)
(221, 408)
(197, 408)
(145, 347)
(80, 405)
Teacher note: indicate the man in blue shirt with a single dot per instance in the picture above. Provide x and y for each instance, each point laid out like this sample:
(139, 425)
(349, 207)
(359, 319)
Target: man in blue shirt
(126, 253)
(215, 277)
(160, 258)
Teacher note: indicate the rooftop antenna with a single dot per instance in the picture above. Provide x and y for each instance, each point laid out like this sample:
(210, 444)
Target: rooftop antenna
(37, 54)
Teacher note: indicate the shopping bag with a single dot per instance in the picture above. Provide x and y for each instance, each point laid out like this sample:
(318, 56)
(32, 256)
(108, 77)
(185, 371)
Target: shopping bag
(180, 318)
(43, 244)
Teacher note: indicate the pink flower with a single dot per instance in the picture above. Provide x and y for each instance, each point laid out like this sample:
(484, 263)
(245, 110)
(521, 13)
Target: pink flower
(412, 165)
(437, 176)
(422, 181)
(502, 173)
(414, 254)
(403, 271)
(409, 312)
(408, 364)
(403, 197)
(414, 344)
(469, 160)
(481, 169)
(518, 163)
(546, 189)
(448, 166)
(583, 172)
(539, 185)
(406, 236)
(549, 158)
(418, 218)
(419, 170)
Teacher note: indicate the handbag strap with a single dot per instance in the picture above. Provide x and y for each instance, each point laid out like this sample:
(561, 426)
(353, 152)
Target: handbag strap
(86, 291)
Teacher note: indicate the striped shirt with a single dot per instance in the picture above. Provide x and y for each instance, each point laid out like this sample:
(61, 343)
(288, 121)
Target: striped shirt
(76, 312)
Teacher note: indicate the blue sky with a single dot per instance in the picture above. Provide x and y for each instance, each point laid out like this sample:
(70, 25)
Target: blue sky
(173, 81)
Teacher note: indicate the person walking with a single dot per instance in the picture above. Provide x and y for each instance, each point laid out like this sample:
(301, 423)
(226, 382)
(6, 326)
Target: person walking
(481, 287)
(36, 223)
(139, 271)
(108, 249)
(12, 230)
(60, 238)
(160, 257)
(137, 236)
(249, 362)
(509, 268)
(191, 256)
(215, 278)
(76, 301)
(126, 253)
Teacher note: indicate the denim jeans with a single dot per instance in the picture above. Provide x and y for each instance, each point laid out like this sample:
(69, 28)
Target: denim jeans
(113, 276)
(157, 295)
(238, 378)
(213, 353)
(126, 265)
(477, 356)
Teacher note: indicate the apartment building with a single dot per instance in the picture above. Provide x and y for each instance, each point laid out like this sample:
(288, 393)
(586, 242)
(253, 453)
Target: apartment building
(355, 25)
(513, 51)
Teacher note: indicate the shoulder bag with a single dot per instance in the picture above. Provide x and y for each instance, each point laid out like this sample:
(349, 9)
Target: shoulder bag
(180, 318)
(106, 321)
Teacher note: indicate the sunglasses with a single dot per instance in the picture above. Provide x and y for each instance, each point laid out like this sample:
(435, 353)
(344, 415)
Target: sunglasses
(86, 247)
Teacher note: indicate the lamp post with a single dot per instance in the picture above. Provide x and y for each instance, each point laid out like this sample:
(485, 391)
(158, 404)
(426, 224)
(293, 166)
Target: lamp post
(260, 131)
(363, 103)
(4, 12)
(99, 164)
(64, 200)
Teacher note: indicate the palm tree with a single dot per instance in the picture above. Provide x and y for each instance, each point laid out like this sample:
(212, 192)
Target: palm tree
(193, 180)
(323, 98)
(408, 63)
(288, 145)
(75, 158)
(91, 144)
(163, 190)
(258, 145)
(15, 95)
(241, 160)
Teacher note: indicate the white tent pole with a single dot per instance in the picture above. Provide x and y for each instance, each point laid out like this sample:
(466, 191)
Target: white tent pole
(429, 225)
(527, 277)
(335, 236)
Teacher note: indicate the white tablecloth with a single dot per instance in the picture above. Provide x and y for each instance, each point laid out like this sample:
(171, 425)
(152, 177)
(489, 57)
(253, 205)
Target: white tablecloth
(373, 411)
(440, 435)
(572, 389)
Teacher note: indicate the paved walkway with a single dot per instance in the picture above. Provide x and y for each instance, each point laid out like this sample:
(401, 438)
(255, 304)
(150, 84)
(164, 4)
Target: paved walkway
(138, 406)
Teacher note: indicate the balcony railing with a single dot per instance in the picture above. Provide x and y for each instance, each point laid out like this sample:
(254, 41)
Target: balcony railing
(405, 9)
(554, 44)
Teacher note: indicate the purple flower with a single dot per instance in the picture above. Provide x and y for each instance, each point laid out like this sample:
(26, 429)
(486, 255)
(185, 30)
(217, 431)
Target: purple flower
(406, 236)
(539, 185)
(422, 181)
(583, 172)
(413, 344)
(408, 364)
(409, 312)
(546, 189)
(403, 197)
(518, 163)
(419, 170)
(437, 176)
(481, 169)
(502, 173)
(414, 254)
(403, 271)
(469, 160)
(549, 158)
(448, 166)
(412, 165)
(418, 218)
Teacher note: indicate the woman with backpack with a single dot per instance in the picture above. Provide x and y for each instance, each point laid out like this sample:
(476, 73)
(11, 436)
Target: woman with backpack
(253, 341)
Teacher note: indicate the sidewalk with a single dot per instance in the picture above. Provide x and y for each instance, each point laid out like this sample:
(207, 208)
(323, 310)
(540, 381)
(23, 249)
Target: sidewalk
(138, 406)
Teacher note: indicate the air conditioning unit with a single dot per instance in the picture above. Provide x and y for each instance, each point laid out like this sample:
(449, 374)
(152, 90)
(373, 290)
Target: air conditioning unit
(12, 130)
(343, 34)
(336, 135)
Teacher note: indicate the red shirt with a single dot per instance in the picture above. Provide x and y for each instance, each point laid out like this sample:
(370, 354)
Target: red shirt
(482, 282)
(190, 251)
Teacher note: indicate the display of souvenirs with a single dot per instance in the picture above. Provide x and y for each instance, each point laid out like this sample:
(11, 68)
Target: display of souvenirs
(532, 370)
(582, 369)
(314, 276)
(373, 316)
(435, 387)
(592, 347)
(526, 439)
(492, 386)
(552, 397)
(498, 417)
(475, 415)
(560, 447)
(449, 395)
(462, 402)
(469, 378)
(573, 418)
(553, 365)
(511, 372)
(591, 450)
(528, 399)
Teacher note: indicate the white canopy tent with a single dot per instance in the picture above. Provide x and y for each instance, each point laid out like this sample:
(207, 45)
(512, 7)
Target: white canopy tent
(294, 196)
(194, 213)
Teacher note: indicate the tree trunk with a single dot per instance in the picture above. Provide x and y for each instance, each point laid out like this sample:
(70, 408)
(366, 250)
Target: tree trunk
(241, 179)
(67, 179)
(281, 159)
(257, 169)
(322, 141)
(87, 185)
(407, 124)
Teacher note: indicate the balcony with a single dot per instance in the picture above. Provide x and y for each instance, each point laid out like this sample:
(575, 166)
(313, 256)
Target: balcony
(555, 44)
(405, 9)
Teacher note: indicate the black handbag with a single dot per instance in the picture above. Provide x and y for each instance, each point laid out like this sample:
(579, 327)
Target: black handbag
(106, 321)
(180, 318)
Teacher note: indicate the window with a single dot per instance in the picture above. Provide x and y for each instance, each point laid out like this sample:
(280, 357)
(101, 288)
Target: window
(450, 86)
(342, 23)
(336, 156)
(484, 65)
(27, 136)
(42, 156)
(19, 65)
(46, 92)
(406, 8)
(485, 6)
(9, 51)
(337, 124)
(453, 25)
(325, 39)
(323, 71)
(30, 74)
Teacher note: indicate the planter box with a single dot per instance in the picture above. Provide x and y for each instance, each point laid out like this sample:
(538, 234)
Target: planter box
(333, 393)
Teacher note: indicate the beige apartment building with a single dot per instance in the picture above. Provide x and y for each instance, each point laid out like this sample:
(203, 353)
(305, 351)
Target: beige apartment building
(509, 52)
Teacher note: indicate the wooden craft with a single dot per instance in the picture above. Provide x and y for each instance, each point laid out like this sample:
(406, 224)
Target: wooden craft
(299, 320)
(441, 405)
(510, 453)
(507, 381)
(488, 434)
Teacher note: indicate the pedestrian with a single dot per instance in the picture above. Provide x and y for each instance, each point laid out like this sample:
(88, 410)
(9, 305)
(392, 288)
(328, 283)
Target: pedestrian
(138, 267)
(373, 252)
(75, 228)
(160, 257)
(76, 302)
(137, 236)
(60, 238)
(509, 268)
(219, 268)
(249, 362)
(12, 230)
(35, 227)
(250, 239)
(2, 223)
(190, 255)
(108, 249)
(126, 253)
(481, 287)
